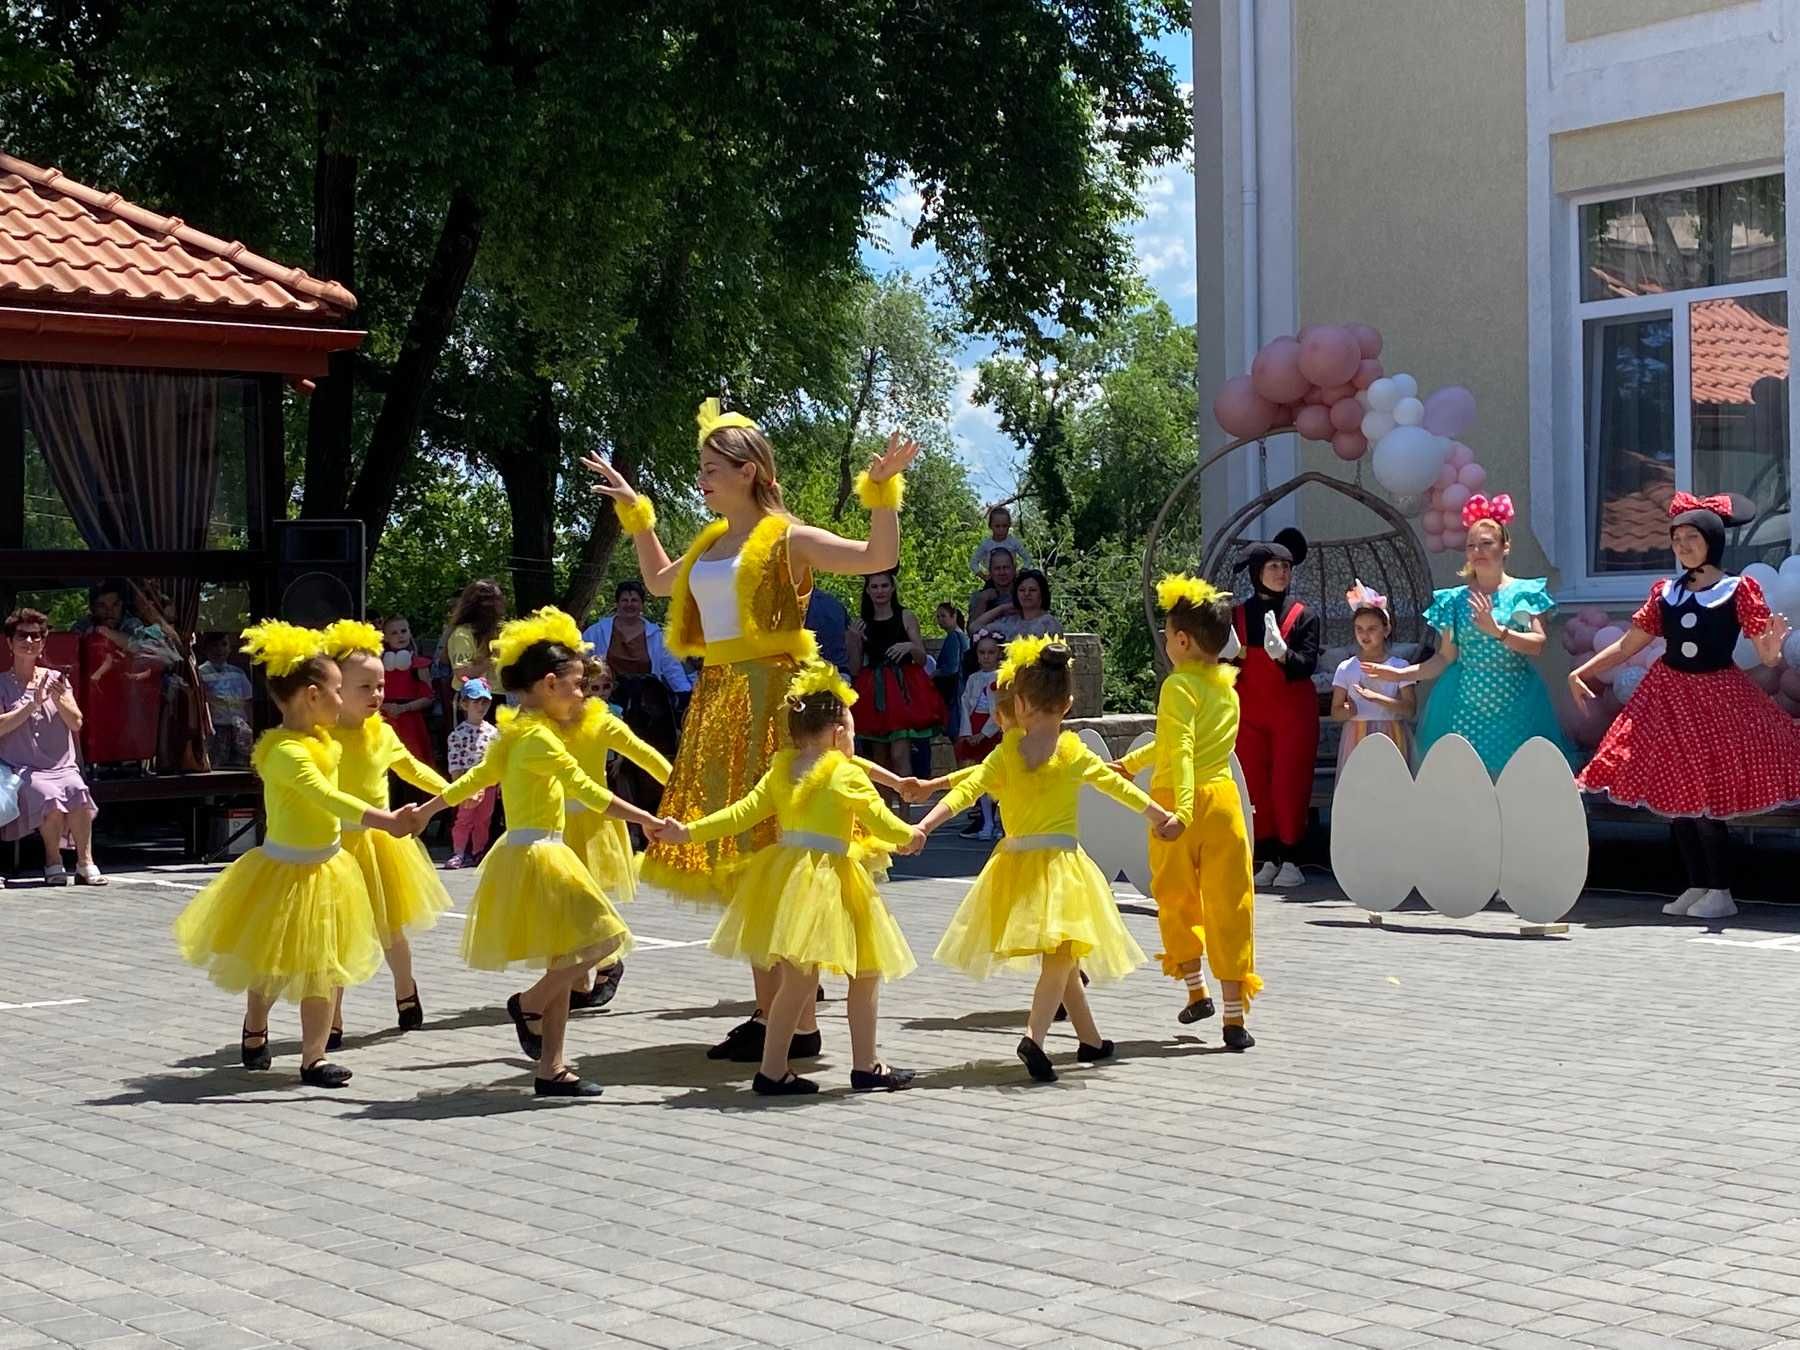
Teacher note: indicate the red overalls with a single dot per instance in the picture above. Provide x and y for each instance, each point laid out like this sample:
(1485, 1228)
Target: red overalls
(1278, 735)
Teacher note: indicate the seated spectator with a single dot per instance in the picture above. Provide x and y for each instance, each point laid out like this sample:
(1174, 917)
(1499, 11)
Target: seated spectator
(39, 722)
(228, 694)
(1030, 616)
(994, 601)
(109, 615)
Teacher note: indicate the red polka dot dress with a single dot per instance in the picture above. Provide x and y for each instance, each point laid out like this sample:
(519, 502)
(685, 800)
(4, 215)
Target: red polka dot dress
(1698, 738)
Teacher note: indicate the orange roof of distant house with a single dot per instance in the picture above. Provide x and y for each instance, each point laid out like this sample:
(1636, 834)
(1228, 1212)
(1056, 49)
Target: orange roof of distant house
(1731, 348)
(64, 244)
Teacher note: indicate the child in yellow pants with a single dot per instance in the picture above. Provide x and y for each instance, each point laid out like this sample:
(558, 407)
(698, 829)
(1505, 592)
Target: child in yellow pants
(1205, 899)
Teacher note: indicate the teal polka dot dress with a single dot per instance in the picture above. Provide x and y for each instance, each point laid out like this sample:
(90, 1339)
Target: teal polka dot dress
(1491, 696)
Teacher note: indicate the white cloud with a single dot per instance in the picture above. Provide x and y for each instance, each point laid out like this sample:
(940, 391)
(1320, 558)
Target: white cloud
(976, 432)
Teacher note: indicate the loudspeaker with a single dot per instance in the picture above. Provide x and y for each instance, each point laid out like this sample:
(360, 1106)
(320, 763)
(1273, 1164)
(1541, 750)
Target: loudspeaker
(320, 571)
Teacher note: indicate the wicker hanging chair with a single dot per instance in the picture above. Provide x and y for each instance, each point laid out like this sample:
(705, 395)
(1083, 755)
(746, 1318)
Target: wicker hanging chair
(1388, 557)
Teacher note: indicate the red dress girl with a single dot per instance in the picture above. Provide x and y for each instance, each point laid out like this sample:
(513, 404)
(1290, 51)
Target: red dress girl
(407, 679)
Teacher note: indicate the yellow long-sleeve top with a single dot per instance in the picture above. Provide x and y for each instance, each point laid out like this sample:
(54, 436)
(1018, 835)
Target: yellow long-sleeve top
(600, 731)
(301, 798)
(1196, 728)
(370, 750)
(827, 800)
(535, 772)
(1044, 800)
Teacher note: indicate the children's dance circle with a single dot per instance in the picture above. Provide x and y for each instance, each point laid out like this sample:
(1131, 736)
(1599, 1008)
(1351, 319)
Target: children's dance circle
(768, 819)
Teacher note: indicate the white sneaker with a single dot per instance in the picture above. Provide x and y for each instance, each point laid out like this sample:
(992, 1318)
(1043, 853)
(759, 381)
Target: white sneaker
(1265, 874)
(1288, 877)
(1713, 905)
(1682, 903)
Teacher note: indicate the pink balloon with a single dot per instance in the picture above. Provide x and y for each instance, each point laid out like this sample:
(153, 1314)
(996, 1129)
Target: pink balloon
(1313, 422)
(1456, 537)
(1346, 414)
(1604, 676)
(1472, 476)
(1315, 395)
(1240, 411)
(1574, 641)
(1446, 480)
(1594, 617)
(1329, 355)
(1368, 371)
(1790, 706)
(1432, 521)
(1434, 543)
(1454, 496)
(1591, 723)
(1284, 416)
(1584, 632)
(1368, 340)
(1460, 456)
(1339, 392)
(1275, 372)
(1790, 682)
(1449, 411)
(1766, 678)
(1349, 445)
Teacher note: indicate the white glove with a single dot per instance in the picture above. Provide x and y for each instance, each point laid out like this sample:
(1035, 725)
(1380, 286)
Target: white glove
(1272, 640)
(1232, 648)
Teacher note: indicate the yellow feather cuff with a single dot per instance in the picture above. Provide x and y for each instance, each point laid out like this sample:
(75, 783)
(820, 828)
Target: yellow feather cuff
(1178, 587)
(548, 624)
(883, 496)
(819, 678)
(351, 635)
(635, 516)
(709, 419)
(1021, 654)
(281, 648)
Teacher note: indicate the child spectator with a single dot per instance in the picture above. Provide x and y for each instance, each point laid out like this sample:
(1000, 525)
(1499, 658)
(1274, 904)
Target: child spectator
(468, 744)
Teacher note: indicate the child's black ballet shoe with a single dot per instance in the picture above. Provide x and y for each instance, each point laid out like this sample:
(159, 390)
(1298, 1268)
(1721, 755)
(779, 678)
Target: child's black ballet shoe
(1036, 1062)
(743, 1044)
(529, 1041)
(335, 1041)
(1238, 1038)
(1062, 1013)
(255, 1056)
(880, 1079)
(324, 1074)
(1197, 1011)
(1093, 1054)
(606, 985)
(411, 1012)
(791, 1086)
(805, 1045)
(565, 1084)
(819, 994)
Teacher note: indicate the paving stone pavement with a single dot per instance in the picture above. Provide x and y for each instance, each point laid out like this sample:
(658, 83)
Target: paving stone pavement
(1448, 1134)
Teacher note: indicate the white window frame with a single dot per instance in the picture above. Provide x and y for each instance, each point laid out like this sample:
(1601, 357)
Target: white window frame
(1578, 581)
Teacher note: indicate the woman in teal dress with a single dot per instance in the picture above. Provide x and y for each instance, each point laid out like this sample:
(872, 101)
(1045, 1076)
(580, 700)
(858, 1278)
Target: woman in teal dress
(1490, 634)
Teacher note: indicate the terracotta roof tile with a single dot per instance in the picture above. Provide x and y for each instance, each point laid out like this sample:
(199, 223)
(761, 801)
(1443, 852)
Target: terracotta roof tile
(61, 242)
(1732, 347)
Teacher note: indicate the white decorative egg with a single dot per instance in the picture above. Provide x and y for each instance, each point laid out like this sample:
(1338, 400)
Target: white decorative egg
(1372, 814)
(1455, 835)
(1543, 834)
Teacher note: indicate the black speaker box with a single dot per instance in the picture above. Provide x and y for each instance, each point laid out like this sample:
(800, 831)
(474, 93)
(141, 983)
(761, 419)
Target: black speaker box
(321, 571)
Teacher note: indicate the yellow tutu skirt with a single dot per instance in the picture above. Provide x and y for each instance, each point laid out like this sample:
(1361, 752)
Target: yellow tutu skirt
(291, 930)
(536, 905)
(814, 909)
(1030, 902)
(403, 885)
(602, 843)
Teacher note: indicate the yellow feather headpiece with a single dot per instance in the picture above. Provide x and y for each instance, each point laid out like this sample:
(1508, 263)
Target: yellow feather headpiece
(817, 677)
(350, 635)
(1178, 587)
(710, 419)
(1022, 653)
(548, 624)
(282, 648)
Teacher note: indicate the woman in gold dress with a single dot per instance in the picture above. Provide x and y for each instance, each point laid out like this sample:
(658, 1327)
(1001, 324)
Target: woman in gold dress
(738, 601)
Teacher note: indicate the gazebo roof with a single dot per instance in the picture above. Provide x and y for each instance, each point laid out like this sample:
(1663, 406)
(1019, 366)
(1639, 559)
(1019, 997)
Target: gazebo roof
(88, 278)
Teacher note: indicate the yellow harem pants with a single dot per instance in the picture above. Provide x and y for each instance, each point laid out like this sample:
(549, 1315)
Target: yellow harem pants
(1205, 898)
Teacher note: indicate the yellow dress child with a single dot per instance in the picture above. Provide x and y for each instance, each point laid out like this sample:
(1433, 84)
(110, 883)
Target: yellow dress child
(808, 898)
(1039, 890)
(603, 842)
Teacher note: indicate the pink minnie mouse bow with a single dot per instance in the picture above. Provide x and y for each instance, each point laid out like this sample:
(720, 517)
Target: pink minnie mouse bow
(1687, 501)
(1478, 507)
(1360, 596)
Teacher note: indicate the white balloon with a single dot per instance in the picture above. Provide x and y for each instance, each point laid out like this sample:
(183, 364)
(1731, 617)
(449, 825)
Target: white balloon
(1410, 504)
(1626, 682)
(1376, 424)
(1407, 459)
(1607, 636)
(1790, 649)
(1362, 401)
(1765, 576)
(1744, 655)
(1407, 385)
(1409, 412)
(1383, 395)
(1790, 566)
(1784, 593)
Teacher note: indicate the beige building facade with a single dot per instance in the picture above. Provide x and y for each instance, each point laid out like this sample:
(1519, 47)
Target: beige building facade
(1574, 207)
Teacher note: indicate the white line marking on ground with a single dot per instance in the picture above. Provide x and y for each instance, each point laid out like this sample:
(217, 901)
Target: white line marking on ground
(643, 942)
(1791, 942)
(44, 1003)
(172, 885)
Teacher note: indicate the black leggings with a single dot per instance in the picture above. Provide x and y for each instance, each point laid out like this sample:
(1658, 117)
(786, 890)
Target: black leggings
(1705, 849)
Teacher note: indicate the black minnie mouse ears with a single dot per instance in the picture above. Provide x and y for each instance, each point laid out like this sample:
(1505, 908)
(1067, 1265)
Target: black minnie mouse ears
(1288, 546)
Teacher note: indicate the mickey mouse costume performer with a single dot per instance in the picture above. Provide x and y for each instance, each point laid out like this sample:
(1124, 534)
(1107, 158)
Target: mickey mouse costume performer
(1278, 730)
(1698, 742)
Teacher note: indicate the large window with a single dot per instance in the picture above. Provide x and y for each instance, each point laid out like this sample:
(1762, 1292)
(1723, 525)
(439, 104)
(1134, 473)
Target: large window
(1684, 338)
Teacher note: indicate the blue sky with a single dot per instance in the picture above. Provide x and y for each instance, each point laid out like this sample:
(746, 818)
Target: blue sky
(1164, 237)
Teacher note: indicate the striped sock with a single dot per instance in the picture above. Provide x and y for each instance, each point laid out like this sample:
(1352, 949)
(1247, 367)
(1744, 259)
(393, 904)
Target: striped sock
(1234, 1011)
(1196, 985)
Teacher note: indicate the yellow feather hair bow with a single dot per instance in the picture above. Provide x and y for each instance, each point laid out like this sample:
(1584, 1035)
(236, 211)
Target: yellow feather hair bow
(1178, 587)
(1022, 653)
(819, 678)
(710, 419)
(548, 624)
(282, 648)
(350, 635)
